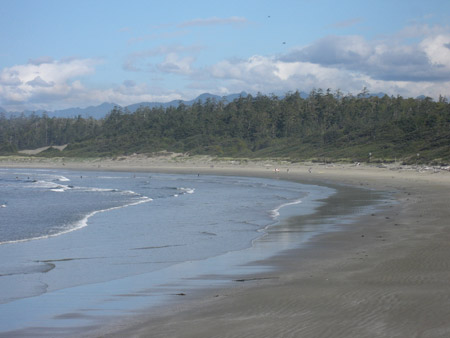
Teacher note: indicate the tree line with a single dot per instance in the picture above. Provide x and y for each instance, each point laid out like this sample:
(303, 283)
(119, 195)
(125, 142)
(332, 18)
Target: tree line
(325, 125)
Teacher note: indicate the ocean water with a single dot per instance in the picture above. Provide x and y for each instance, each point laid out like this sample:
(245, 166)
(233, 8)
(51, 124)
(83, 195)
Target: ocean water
(77, 247)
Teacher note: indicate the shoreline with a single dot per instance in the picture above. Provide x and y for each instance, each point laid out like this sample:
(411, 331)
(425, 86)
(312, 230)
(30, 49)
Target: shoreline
(384, 275)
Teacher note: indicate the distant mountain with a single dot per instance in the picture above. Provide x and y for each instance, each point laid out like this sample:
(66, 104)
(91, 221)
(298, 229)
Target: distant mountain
(202, 98)
(100, 111)
(96, 112)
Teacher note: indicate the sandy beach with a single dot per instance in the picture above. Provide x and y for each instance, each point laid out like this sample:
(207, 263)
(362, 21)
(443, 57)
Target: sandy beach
(385, 275)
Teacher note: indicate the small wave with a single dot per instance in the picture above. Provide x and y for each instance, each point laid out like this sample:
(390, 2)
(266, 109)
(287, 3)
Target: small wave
(62, 179)
(276, 212)
(53, 186)
(58, 189)
(81, 223)
(99, 189)
(26, 269)
(181, 191)
(44, 184)
(62, 188)
(45, 177)
(123, 192)
(186, 190)
(129, 192)
(208, 233)
(158, 247)
(84, 222)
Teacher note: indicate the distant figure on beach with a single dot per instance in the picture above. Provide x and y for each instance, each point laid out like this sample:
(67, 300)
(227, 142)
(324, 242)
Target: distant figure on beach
(310, 170)
(277, 170)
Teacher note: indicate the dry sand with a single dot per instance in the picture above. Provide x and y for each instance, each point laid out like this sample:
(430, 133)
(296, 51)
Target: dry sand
(386, 275)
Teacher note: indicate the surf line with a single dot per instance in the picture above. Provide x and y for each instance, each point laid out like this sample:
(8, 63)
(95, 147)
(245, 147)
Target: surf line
(81, 223)
(276, 212)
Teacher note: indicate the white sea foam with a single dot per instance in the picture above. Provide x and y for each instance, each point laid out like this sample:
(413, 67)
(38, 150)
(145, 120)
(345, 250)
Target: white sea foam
(122, 192)
(49, 185)
(58, 189)
(128, 192)
(84, 222)
(186, 190)
(275, 213)
(47, 177)
(98, 189)
(44, 184)
(62, 179)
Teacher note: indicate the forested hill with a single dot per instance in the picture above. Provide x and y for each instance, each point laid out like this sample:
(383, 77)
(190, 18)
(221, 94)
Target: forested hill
(324, 125)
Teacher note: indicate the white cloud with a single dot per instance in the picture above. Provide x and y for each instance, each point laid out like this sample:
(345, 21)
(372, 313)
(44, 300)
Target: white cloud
(41, 60)
(437, 50)
(420, 31)
(348, 63)
(389, 59)
(41, 81)
(174, 64)
(38, 82)
(255, 68)
(268, 74)
(56, 85)
(171, 59)
(129, 93)
(333, 50)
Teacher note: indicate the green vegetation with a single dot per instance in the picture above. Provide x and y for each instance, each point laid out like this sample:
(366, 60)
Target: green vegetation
(324, 126)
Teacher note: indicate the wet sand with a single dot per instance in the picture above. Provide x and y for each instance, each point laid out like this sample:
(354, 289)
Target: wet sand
(385, 275)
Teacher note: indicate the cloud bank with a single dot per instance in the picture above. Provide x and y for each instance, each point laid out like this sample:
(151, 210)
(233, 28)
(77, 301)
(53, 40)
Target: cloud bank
(43, 80)
(428, 60)
(394, 66)
(412, 62)
(48, 85)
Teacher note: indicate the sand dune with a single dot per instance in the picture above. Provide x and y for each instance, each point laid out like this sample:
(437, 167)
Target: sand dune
(40, 150)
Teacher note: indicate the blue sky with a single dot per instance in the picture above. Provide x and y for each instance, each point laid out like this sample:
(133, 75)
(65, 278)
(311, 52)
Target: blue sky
(60, 54)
